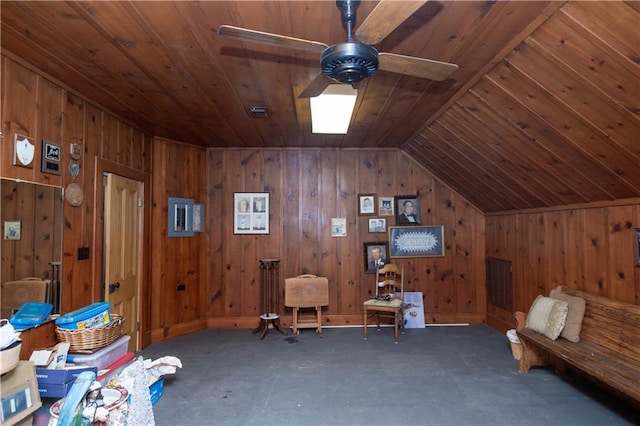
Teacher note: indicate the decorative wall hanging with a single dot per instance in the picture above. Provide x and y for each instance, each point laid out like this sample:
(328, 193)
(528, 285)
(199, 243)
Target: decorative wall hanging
(416, 241)
(51, 157)
(377, 224)
(251, 213)
(407, 209)
(385, 206)
(376, 255)
(339, 227)
(12, 229)
(366, 204)
(24, 151)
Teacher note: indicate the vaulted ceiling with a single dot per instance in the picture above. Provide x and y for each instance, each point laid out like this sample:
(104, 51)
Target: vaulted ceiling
(542, 111)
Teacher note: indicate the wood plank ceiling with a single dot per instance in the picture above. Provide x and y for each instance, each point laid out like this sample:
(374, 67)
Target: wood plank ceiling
(543, 110)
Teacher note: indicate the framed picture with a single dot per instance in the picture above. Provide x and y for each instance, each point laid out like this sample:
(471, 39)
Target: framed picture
(636, 243)
(251, 213)
(339, 227)
(375, 256)
(180, 217)
(366, 204)
(377, 224)
(385, 206)
(198, 213)
(12, 229)
(407, 210)
(416, 241)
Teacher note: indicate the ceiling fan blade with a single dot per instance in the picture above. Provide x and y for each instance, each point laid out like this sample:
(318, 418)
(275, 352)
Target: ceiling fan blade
(385, 18)
(316, 87)
(416, 67)
(254, 36)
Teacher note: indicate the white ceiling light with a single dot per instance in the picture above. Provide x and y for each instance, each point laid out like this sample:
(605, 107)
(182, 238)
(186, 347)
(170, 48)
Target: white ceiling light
(331, 111)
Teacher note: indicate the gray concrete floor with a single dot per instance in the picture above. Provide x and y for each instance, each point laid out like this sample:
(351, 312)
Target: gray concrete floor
(463, 375)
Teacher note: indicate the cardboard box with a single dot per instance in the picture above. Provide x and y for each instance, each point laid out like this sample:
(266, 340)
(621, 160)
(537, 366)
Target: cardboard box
(61, 375)
(19, 393)
(54, 390)
(156, 390)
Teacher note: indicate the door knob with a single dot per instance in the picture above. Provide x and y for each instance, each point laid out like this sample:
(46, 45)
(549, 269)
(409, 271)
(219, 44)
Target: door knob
(113, 287)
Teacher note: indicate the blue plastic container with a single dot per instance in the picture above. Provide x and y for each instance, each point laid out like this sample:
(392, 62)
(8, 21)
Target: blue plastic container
(91, 316)
(30, 314)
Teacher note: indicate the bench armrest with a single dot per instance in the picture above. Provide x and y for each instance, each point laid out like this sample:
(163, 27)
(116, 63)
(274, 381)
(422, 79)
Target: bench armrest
(521, 320)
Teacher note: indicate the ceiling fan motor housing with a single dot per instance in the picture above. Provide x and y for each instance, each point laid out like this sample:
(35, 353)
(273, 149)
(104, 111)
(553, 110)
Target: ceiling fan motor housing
(349, 62)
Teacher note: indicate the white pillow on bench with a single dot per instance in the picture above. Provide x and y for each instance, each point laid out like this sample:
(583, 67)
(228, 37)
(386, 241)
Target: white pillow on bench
(547, 316)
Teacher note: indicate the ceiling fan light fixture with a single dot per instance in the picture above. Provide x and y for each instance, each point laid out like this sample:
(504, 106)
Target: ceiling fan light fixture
(349, 62)
(331, 111)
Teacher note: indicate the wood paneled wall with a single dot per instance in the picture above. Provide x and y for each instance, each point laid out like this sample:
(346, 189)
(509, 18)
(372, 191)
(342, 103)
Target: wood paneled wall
(176, 261)
(589, 248)
(35, 105)
(309, 187)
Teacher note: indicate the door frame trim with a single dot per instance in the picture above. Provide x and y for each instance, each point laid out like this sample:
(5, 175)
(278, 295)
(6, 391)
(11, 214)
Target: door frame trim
(103, 166)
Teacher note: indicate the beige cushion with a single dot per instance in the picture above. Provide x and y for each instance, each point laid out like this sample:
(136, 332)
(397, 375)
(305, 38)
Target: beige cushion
(547, 316)
(393, 303)
(573, 324)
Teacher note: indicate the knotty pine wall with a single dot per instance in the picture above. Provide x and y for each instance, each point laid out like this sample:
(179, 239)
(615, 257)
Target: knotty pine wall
(309, 187)
(585, 247)
(34, 105)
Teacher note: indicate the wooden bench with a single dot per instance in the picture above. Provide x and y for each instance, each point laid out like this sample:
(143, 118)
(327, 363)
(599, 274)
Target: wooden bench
(608, 350)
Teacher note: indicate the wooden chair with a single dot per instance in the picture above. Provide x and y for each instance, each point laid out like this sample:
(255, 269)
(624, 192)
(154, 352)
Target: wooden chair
(386, 303)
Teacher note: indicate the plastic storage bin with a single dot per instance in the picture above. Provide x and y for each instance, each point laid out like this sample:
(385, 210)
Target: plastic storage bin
(31, 314)
(91, 316)
(104, 357)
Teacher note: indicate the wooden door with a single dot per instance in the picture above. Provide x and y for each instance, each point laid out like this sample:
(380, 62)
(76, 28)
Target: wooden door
(122, 229)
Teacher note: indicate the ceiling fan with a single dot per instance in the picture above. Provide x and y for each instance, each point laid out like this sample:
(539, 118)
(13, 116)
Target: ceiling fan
(352, 61)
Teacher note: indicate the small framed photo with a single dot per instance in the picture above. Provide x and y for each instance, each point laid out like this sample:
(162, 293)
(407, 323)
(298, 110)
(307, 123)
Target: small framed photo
(251, 213)
(375, 256)
(416, 241)
(198, 213)
(407, 210)
(385, 206)
(180, 217)
(377, 224)
(339, 227)
(12, 229)
(636, 243)
(366, 204)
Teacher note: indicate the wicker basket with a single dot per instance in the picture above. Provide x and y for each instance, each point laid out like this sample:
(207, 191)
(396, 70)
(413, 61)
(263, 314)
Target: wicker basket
(90, 340)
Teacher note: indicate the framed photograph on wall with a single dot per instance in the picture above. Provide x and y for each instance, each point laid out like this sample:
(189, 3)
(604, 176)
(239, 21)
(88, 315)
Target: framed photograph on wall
(377, 224)
(416, 241)
(407, 210)
(339, 227)
(385, 206)
(180, 217)
(366, 204)
(12, 229)
(636, 243)
(376, 255)
(251, 213)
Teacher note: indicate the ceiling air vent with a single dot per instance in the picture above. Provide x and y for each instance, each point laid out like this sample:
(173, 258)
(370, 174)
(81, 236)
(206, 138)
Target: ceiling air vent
(258, 111)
